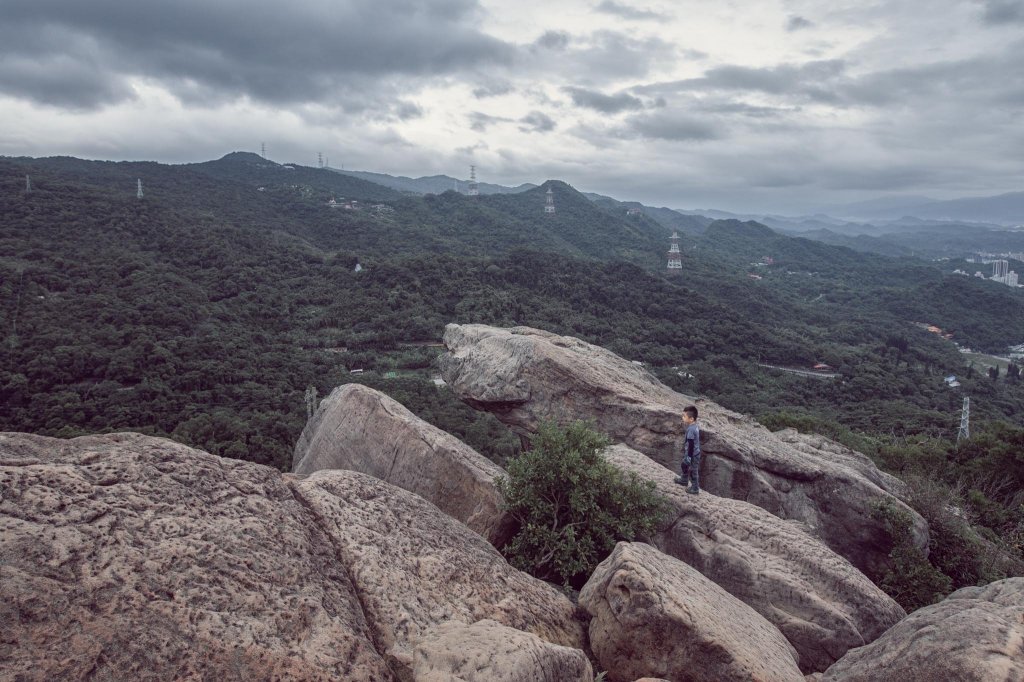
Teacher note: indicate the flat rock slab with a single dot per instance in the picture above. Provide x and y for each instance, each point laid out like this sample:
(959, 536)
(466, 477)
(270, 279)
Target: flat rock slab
(361, 429)
(655, 616)
(131, 557)
(487, 651)
(975, 634)
(821, 603)
(525, 376)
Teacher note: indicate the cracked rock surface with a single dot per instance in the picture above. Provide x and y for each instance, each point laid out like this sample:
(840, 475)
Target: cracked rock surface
(819, 601)
(525, 376)
(654, 616)
(124, 556)
(361, 429)
(975, 634)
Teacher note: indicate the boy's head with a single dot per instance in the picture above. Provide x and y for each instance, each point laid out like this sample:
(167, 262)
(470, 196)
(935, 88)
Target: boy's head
(689, 414)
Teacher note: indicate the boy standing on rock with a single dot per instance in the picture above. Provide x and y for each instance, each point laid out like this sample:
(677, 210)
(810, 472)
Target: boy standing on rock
(691, 452)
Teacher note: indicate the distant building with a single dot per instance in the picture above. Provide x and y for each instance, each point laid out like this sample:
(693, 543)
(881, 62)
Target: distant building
(821, 367)
(549, 202)
(634, 211)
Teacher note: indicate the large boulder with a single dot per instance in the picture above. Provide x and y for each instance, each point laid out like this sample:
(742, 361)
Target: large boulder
(414, 567)
(525, 376)
(487, 651)
(361, 429)
(975, 634)
(654, 616)
(821, 603)
(129, 557)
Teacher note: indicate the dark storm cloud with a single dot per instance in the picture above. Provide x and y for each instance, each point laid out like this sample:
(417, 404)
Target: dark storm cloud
(609, 104)
(627, 12)
(536, 122)
(60, 81)
(283, 53)
(795, 23)
(1003, 11)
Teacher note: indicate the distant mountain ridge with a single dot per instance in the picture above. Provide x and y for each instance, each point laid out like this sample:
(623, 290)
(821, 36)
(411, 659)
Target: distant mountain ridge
(432, 184)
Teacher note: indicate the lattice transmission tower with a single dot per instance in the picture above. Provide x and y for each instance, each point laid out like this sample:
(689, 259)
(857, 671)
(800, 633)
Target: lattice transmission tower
(965, 422)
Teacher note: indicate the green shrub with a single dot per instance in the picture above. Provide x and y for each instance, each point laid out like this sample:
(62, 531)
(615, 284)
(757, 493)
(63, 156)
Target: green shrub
(911, 579)
(572, 505)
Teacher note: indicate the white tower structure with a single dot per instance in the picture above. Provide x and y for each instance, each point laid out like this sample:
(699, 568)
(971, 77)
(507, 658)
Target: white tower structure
(965, 421)
(549, 202)
(139, 192)
(1000, 269)
(675, 259)
(474, 189)
(28, 184)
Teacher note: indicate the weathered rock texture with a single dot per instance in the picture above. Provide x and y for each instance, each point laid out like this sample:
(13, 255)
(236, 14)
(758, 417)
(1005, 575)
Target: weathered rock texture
(414, 567)
(490, 652)
(821, 603)
(524, 376)
(361, 429)
(129, 557)
(975, 634)
(655, 616)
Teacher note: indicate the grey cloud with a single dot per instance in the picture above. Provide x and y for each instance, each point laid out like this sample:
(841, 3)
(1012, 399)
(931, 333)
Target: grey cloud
(627, 12)
(537, 122)
(795, 23)
(60, 81)
(495, 89)
(553, 40)
(480, 121)
(668, 125)
(611, 55)
(609, 104)
(269, 51)
(1003, 11)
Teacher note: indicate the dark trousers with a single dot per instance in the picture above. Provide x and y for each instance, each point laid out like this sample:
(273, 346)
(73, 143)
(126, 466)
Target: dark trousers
(691, 472)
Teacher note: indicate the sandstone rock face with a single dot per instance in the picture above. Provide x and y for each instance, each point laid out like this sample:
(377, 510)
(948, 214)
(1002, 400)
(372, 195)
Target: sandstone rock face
(361, 429)
(490, 652)
(975, 634)
(129, 557)
(524, 376)
(821, 603)
(655, 616)
(414, 567)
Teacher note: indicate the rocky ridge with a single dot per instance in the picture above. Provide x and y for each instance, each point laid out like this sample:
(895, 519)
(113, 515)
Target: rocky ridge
(134, 557)
(525, 376)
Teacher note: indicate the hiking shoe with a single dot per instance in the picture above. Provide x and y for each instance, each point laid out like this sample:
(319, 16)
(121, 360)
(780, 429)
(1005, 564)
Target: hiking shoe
(693, 491)
(680, 480)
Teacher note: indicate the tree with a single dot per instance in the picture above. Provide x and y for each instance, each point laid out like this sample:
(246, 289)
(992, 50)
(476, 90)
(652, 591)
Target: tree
(572, 505)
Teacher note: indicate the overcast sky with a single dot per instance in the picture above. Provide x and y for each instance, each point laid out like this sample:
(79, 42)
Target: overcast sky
(779, 106)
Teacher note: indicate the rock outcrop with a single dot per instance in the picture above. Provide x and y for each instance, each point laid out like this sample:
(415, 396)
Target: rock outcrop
(655, 616)
(524, 376)
(487, 651)
(821, 603)
(414, 567)
(975, 634)
(131, 557)
(360, 429)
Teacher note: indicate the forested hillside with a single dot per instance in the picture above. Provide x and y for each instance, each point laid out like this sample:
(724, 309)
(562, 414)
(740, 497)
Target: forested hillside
(211, 309)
